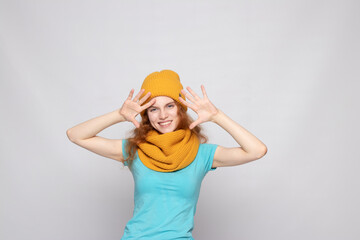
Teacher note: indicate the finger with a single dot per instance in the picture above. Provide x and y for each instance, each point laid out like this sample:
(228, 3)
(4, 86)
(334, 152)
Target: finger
(152, 101)
(130, 94)
(136, 123)
(203, 91)
(138, 95)
(184, 102)
(188, 96)
(192, 92)
(190, 105)
(143, 99)
(194, 124)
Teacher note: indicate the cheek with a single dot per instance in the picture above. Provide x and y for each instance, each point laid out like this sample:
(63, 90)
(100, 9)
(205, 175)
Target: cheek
(176, 116)
(151, 117)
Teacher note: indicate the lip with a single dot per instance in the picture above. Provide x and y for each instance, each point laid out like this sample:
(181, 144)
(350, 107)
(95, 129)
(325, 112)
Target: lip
(169, 123)
(166, 121)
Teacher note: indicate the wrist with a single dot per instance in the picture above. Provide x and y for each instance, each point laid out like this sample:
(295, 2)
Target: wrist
(216, 117)
(118, 116)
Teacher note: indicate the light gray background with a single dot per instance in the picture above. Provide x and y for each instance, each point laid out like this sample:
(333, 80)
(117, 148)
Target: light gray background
(287, 71)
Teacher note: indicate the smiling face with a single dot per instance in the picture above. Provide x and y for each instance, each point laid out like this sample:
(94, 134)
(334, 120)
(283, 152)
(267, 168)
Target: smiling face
(163, 114)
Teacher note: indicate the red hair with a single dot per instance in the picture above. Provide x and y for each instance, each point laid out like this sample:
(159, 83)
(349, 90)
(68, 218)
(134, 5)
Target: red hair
(139, 134)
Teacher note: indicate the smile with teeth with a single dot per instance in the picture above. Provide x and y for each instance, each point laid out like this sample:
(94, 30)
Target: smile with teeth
(165, 124)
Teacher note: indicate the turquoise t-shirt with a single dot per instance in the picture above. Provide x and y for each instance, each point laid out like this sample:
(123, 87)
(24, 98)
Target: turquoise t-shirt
(165, 202)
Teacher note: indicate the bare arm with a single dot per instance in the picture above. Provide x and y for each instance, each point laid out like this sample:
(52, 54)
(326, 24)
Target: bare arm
(93, 126)
(250, 147)
(84, 134)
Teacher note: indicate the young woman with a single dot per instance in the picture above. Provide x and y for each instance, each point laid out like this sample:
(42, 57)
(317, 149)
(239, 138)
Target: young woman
(167, 154)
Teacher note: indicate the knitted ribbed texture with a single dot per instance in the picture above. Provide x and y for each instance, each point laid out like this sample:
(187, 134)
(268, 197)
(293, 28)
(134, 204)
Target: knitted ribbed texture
(163, 83)
(170, 151)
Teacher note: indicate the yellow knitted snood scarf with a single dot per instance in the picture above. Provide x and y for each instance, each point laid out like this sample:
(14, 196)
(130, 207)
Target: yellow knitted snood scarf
(170, 151)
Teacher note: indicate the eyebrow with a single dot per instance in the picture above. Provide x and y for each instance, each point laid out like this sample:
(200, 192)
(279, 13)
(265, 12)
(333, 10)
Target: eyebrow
(165, 104)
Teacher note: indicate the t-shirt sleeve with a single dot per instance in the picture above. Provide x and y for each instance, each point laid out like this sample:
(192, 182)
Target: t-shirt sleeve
(124, 142)
(209, 156)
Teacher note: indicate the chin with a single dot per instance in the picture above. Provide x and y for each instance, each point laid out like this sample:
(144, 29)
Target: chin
(165, 131)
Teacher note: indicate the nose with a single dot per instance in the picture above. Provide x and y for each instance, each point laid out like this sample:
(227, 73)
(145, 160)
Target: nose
(163, 114)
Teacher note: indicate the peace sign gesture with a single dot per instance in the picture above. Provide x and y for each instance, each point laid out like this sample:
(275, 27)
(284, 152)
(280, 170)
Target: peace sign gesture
(202, 106)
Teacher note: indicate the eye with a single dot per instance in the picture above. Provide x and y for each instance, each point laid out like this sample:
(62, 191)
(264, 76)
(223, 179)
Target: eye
(171, 105)
(151, 110)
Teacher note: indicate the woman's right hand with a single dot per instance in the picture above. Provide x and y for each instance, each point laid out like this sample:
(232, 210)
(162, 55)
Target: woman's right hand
(131, 108)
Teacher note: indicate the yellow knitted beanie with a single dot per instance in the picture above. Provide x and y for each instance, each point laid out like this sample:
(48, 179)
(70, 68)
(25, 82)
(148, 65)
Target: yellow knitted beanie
(163, 83)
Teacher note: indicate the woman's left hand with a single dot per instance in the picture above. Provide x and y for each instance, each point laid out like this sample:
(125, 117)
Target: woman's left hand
(202, 106)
